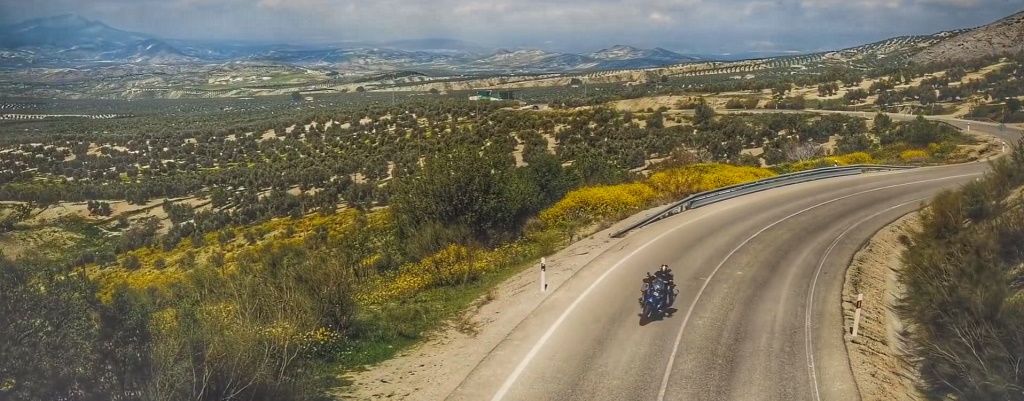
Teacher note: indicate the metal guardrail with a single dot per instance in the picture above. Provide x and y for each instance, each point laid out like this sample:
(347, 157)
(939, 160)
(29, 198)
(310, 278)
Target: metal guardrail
(717, 195)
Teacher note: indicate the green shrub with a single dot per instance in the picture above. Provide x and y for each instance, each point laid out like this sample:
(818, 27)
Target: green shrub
(963, 295)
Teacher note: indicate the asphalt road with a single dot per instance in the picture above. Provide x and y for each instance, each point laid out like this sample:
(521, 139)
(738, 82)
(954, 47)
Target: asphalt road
(758, 315)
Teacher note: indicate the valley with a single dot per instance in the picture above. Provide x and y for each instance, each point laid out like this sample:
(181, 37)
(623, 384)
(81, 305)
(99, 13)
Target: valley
(221, 220)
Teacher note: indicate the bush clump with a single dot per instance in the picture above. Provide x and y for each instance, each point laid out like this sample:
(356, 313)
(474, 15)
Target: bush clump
(914, 156)
(964, 299)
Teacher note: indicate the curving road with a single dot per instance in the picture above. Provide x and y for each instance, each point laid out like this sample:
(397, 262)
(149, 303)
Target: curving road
(758, 311)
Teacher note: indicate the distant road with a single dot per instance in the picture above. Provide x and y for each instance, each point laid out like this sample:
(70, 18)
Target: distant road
(760, 278)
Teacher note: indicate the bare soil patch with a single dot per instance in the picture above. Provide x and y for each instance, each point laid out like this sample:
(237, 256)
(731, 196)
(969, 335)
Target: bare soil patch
(48, 241)
(878, 355)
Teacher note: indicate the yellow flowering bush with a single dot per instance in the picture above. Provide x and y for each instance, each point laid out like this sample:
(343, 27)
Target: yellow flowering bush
(150, 273)
(279, 331)
(914, 155)
(451, 265)
(164, 320)
(681, 181)
(831, 161)
(605, 202)
(160, 280)
(320, 341)
(853, 158)
(597, 203)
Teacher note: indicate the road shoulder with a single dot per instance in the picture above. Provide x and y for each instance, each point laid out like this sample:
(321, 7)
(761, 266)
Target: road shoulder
(877, 360)
(432, 369)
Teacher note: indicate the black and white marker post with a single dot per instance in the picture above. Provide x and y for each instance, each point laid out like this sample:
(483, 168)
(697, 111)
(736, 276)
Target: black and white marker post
(543, 279)
(856, 316)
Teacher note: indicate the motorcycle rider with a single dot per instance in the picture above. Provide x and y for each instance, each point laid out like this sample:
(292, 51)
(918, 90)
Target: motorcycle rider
(665, 274)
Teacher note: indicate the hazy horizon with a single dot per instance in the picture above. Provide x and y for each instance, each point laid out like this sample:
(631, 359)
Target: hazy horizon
(691, 26)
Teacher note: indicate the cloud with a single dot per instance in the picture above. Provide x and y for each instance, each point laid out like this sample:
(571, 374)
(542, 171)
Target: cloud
(954, 3)
(895, 4)
(862, 4)
(695, 25)
(659, 18)
(478, 8)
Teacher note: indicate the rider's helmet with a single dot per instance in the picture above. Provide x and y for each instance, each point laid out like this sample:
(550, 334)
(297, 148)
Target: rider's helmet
(664, 268)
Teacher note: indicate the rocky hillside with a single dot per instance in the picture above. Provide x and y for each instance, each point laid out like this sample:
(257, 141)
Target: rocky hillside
(1000, 37)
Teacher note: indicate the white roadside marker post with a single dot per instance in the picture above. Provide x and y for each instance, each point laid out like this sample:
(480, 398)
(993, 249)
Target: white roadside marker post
(856, 316)
(543, 280)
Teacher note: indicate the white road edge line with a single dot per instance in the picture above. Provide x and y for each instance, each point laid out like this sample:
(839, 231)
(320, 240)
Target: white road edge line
(511, 379)
(693, 305)
(808, 315)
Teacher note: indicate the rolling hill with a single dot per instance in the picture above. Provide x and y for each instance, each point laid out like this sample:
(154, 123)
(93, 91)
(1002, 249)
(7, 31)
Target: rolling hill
(71, 38)
(1000, 37)
(624, 57)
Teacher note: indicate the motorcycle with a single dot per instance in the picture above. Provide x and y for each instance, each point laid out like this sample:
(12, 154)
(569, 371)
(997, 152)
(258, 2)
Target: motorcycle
(655, 298)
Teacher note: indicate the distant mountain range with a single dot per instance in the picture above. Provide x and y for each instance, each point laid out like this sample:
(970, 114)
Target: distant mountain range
(68, 40)
(69, 37)
(73, 41)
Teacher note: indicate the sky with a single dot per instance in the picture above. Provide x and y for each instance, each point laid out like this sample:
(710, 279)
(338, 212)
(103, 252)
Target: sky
(693, 26)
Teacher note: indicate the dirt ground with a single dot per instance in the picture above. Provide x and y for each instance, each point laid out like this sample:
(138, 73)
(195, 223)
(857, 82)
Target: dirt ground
(48, 241)
(876, 354)
(51, 214)
(433, 368)
(651, 102)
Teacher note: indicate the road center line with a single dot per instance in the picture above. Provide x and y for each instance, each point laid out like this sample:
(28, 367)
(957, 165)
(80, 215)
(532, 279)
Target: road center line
(693, 305)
